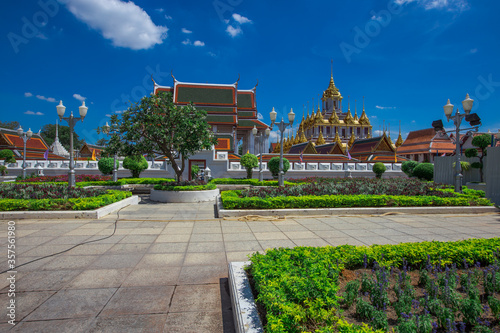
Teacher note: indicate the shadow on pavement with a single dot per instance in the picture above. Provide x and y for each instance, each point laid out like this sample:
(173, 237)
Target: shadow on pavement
(227, 309)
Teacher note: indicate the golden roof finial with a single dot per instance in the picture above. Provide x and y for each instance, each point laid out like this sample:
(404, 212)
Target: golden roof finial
(399, 141)
(303, 137)
(364, 119)
(321, 140)
(355, 112)
(351, 140)
(337, 137)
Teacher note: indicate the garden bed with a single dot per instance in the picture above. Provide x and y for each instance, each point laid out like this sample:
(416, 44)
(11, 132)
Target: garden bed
(308, 289)
(336, 193)
(55, 197)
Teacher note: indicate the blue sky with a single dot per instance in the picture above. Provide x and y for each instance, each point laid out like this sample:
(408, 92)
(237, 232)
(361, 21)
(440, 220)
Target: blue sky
(407, 57)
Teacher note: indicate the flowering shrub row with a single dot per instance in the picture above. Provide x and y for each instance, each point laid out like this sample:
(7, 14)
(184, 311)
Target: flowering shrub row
(298, 287)
(125, 181)
(234, 200)
(78, 203)
(45, 191)
(354, 186)
(64, 178)
(254, 182)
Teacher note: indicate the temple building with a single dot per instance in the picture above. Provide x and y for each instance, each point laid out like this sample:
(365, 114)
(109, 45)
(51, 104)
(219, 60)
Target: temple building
(232, 112)
(330, 123)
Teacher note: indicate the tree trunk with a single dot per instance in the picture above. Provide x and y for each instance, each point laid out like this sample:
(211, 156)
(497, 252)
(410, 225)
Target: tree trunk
(249, 173)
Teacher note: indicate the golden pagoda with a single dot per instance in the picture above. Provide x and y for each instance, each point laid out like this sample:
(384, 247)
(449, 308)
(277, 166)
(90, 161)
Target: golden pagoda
(321, 140)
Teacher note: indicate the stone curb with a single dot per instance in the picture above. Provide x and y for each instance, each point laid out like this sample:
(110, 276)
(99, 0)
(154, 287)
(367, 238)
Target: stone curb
(69, 214)
(354, 211)
(246, 317)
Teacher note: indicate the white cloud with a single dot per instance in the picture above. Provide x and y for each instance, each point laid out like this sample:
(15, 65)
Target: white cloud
(119, 112)
(186, 31)
(108, 115)
(34, 113)
(186, 42)
(232, 31)
(472, 51)
(161, 10)
(198, 43)
(274, 136)
(378, 132)
(413, 121)
(212, 54)
(450, 5)
(124, 23)
(79, 97)
(385, 107)
(373, 117)
(260, 116)
(28, 94)
(168, 17)
(48, 99)
(241, 19)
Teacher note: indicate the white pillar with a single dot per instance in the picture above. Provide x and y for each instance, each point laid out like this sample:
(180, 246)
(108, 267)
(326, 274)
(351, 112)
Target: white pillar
(251, 142)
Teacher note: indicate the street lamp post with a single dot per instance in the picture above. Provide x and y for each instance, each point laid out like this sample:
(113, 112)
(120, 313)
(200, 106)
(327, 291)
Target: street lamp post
(473, 120)
(25, 136)
(71, 122)
(261, 147)
(108, 131)
(282, 126)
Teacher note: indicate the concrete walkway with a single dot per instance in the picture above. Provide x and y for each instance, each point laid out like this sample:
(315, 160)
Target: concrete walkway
(165, 269)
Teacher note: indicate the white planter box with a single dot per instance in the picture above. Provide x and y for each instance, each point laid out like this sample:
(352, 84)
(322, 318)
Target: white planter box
(184, 196)
(324, 166)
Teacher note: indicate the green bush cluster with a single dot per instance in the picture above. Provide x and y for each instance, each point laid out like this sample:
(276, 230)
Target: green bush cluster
(7, 155)
(105, 165)
(136, 165)
(232, 200)
(274, 166)
(64, 204)
(424, 171)
(379, 168)
(249, 161)
(297, 287)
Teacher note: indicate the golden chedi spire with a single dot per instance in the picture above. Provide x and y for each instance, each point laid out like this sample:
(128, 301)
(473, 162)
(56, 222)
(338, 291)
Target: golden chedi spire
(319, 117)
(355, 112)
(321, 140)
(399, 141)
(303, 137)
(331, 92)
(364, 119)
(348, 118)
(351, 140)
(297, 138)
(277, 148)
(337, 137)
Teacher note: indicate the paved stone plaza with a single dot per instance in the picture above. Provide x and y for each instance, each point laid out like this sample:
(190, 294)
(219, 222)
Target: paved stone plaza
(165, 269)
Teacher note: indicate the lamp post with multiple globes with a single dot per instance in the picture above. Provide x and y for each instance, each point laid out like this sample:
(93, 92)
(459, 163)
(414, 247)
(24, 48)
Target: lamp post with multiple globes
(281, 126)
(261, 148)
(25, 136)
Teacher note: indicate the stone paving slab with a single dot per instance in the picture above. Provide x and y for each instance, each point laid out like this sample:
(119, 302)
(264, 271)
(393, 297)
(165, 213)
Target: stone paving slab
(166, 267)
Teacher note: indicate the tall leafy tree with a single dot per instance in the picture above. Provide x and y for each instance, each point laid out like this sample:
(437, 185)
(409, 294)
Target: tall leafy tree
(49, 135)
(9, 124)
(157, 125)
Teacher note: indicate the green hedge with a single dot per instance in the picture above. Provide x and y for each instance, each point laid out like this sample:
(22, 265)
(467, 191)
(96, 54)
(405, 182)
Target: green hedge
(231, 200)
(61, 204)
(185, 188)
(125, 181)
(254, 182)
(298, 286)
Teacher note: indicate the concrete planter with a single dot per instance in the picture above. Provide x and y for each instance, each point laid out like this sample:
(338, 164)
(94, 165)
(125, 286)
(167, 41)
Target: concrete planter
(184, 196)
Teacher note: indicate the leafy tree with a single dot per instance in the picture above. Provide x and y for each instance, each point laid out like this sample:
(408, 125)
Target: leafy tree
(274, 166)
(249, 161)
(3, 170)
(408, 167)
(424, 171)
(136, 164)
(101, 142)
(8, 156)
(9, 124)
(481, 141)
(157, 125)
(105, 165)
(49, 135)
(379, 168)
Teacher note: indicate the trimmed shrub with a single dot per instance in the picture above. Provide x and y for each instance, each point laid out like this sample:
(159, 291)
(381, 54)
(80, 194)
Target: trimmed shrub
(274, 166)
(105, 165)
(424, 171)
(249, 161)
(3, 170)
(379, 169)
(408, 166)
(136, 165)
(8, 156)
